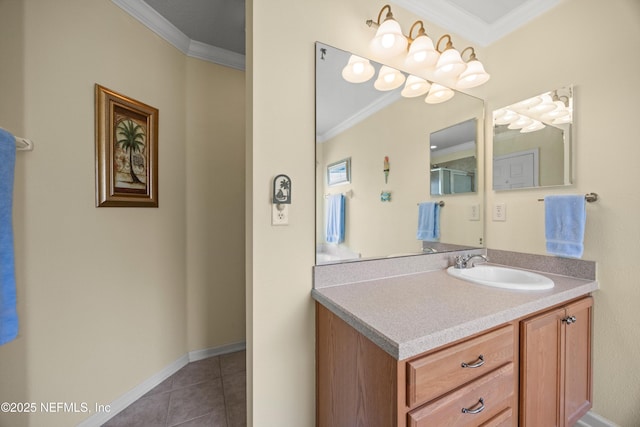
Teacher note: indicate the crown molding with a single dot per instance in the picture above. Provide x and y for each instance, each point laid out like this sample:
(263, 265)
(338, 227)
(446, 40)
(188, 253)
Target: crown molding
(458, 21)
(157, 23)
(359, 116)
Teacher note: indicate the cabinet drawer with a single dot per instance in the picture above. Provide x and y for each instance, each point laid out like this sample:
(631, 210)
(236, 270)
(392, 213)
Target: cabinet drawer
(430, 376)
(503, 419)
(495, 389)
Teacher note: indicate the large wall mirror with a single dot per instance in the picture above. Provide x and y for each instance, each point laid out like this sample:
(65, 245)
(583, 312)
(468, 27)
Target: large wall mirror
(374, 166)
(532, 141)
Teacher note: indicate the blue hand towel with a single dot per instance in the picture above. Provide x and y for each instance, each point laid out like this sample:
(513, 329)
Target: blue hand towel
(335, 219)
(428, 222)
(564, 221)
(8, 313)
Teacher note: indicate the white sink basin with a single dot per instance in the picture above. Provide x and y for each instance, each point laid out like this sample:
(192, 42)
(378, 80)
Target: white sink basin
(502, 277)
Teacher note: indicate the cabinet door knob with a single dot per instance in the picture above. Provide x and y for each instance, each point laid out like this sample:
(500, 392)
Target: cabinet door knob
(475, 364)
(569, 320)
(475, 411)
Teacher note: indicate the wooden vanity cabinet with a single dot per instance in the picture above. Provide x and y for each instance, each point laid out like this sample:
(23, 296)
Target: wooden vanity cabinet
(472, 382)
(555, 366)
(533, 372)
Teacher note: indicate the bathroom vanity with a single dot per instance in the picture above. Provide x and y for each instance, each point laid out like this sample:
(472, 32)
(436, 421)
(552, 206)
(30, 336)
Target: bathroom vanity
(427, 349)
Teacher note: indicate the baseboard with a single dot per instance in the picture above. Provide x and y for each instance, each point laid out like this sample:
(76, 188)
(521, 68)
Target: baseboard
(118, 405)
(216, 351)
(594, 420)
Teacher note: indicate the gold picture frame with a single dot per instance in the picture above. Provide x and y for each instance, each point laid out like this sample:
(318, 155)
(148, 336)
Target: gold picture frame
(126, 151)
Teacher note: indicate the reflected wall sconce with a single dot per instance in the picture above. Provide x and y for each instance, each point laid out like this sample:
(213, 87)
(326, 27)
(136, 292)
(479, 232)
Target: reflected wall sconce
(531, 114)
(358, 70)
(388, 79)
(438, 94)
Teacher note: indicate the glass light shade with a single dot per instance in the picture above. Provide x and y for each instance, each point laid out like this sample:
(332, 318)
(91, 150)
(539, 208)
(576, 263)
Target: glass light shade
(473, 76)
(527, 103)
(536, 125)
(421, 53)
(560, 111)
(438, 94)
(563, 120)
(450, 64)
(388, 79)
(544, 107)
(507, 118)
(358, 70)
(389, 40)
(415, 86)
(521, 123)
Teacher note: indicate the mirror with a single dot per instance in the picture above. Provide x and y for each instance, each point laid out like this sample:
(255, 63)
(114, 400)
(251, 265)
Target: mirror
(453, 159)
(532, 141)
(386, 138)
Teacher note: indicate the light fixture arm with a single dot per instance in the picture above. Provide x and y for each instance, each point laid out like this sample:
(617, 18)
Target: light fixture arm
(421, 31)
(449, 43)
(472, 56)
(371, 22)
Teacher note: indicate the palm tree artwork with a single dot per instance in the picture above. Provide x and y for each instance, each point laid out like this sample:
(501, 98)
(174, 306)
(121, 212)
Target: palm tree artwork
(130, 137)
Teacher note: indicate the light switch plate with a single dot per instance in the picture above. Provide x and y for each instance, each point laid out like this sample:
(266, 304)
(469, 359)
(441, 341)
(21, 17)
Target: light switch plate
(500, 212)
(474, 212)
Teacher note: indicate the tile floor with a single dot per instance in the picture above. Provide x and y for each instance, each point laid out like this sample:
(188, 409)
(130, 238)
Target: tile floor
(210, 392)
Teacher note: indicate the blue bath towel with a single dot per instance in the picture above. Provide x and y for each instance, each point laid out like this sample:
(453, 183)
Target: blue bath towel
(564, 221)
(335, 219)
(428, 222)
(8, 313)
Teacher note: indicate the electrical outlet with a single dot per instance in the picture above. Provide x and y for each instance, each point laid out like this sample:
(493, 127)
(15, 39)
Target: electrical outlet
(500, 212)
(474, 212)
(280, 214)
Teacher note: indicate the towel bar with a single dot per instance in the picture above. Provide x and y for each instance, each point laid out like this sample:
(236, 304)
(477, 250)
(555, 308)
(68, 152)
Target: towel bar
(23, 144)
(348, 194)
(589, 197)
(440, 203)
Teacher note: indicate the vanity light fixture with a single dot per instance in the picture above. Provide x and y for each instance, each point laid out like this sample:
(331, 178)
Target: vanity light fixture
(474, 75)
(389, 40)
(450, 64)
(415, 86)
(358, 70)
(447, 64)
(438, 94)
(422, 54)
(388, 79)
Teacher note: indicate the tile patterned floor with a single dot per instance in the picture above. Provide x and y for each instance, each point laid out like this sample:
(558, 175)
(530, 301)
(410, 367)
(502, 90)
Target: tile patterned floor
(207, 393)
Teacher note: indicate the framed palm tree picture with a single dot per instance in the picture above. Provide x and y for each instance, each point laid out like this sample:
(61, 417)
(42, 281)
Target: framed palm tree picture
(126, 151)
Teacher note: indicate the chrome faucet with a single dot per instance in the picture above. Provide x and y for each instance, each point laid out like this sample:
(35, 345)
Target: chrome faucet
(464, 261)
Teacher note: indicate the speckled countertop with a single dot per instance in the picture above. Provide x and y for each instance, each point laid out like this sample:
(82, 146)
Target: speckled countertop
(408, 315)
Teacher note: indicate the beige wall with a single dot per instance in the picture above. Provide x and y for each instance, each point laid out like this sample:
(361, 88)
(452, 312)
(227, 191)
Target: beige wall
(215, 198)
(104, 293)
(599, 54)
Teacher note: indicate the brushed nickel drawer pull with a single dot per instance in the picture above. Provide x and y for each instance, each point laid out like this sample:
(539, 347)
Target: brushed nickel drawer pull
(475, 411)
(477, 364)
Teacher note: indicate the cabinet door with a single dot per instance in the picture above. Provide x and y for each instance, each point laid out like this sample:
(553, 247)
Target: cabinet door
(540, 369)
(577, 395)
